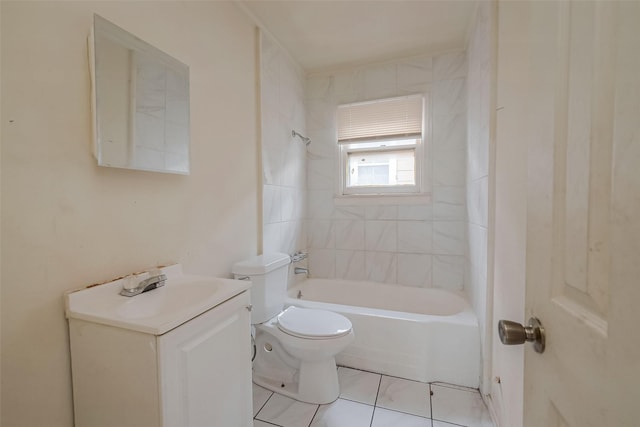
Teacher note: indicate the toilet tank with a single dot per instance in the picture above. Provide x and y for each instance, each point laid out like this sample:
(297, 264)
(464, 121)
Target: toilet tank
(268, 274)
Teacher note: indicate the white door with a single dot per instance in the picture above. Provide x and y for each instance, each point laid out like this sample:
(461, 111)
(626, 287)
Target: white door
(581, 98)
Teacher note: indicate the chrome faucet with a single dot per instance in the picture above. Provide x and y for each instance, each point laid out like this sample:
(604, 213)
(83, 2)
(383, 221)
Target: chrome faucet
(300, 270)
(145, 285)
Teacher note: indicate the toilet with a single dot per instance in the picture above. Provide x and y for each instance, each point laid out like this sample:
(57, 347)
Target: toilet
(295, 347)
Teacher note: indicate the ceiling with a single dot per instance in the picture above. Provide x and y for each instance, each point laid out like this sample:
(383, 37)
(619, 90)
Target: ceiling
(325, 34)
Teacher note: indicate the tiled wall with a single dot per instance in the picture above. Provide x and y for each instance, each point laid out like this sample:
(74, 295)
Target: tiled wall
(410, 244)
(283, 157)
(478, 112)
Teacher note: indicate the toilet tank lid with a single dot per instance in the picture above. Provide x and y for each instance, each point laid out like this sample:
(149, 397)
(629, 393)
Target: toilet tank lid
(261, 264)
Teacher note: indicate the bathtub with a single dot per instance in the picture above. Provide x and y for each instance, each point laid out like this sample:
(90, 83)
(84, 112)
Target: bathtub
(415, 333)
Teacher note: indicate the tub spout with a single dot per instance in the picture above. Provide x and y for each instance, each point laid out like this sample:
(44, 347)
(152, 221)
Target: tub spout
(300, 270)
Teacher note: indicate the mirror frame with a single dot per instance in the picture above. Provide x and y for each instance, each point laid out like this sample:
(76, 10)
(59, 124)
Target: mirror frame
(103, 28)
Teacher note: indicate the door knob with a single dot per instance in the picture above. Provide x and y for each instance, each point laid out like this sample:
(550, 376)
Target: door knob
(512, 333)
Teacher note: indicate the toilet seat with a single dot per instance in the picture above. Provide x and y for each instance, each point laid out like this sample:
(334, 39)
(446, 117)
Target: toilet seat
(313, 324)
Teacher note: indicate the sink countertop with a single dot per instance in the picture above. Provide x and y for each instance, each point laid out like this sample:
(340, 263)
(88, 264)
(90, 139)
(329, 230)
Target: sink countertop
(158, 311)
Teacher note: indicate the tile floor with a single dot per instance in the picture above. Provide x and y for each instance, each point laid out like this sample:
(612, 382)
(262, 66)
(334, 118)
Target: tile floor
(372, 400)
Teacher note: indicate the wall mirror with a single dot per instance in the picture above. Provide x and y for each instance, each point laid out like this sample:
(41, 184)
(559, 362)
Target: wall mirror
(140, 99)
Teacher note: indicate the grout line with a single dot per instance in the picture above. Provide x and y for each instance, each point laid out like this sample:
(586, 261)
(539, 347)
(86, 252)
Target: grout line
(375, 402)
(356, 401)
(431, 404)
(316, 413)
(267, 422)
(456, 387)
(263, 405)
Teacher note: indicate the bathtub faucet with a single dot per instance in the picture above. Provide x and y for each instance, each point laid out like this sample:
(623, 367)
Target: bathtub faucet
(300, 270)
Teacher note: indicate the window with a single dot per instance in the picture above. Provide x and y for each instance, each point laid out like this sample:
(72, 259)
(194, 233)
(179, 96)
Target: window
(381, 146)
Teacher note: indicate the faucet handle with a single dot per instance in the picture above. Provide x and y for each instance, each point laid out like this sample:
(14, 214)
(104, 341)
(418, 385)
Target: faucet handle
(299, 256)
(129, 283)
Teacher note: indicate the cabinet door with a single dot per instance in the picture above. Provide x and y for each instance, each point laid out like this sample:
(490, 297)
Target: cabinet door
(205, 369)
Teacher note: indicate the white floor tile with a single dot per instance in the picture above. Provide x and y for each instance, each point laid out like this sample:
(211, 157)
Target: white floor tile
(387, 418)
(260, 396)
(461, 407)
(402, 395)
(258, 423)
(343, 413)
(287, 412)
(359, 386)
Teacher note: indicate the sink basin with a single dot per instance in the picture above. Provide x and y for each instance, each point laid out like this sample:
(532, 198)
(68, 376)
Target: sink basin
(182, 298)
(166, 299)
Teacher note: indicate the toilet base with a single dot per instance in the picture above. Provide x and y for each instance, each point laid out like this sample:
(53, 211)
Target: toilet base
(311, 381)
(316, 383)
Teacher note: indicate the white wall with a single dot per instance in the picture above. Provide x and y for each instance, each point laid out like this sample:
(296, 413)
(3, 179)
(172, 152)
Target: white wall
(510, 210)
(479, 102)
(66, 222)
(283, 156)
(420, 244)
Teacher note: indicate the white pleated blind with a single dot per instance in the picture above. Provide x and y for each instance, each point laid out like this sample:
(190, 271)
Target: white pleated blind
(381, 119)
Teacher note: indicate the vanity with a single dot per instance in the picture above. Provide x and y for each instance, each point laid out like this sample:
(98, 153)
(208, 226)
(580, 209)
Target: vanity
(175, 356)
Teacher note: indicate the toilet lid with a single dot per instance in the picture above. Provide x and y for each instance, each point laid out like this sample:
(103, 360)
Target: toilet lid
(310, 323)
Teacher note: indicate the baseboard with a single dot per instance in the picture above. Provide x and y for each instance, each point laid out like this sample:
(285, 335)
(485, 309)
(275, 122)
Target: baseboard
(492, 409)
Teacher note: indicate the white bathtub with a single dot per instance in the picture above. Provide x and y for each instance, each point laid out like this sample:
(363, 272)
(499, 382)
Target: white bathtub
(415, 333)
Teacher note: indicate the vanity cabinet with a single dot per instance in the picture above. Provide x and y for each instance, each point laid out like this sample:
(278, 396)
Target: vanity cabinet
(197, 374)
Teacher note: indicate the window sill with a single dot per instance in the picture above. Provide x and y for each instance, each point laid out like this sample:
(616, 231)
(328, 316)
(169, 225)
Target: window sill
(378, 199)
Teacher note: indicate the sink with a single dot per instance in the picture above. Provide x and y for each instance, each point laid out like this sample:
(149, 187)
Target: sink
(182, 298)
(166, 299)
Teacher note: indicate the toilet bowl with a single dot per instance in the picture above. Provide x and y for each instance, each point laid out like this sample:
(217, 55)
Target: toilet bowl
(295, 348)
(296, 357)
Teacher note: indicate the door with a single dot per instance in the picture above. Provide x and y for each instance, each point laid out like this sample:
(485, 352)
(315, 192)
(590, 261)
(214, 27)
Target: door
(581, 95)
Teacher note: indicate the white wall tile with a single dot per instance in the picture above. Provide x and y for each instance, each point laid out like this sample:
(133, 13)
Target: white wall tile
(381, 236)
(449, 203)
(349, 212)
(449, 238)
(321, 234)
(449, 115)
(288, 203)
(271, 205)
(449, 168)
(320, 204)
(414, 75)
(381, 267)
(449, 66)
(448, 272)
(348, 87)
(321, 174)
(271, 237)
(381, 212)
(319, 87)
(414, 270)
(415, 212)
(477, 201)
(415, 236)
(349, 234)
(380, 81)
(322, 263)
(394, 229)
(323, 144)
(350, 265)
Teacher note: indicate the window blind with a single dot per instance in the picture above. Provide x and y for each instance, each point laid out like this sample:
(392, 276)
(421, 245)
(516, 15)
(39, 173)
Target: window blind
(380, 119)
